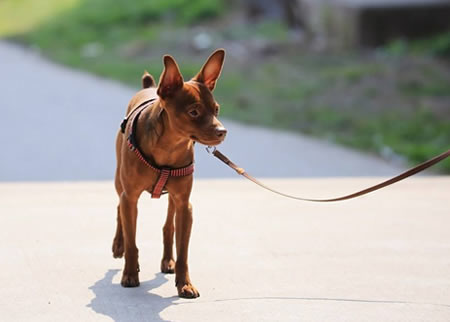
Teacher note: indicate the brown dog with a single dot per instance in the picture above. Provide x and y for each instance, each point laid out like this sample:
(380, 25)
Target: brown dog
(155, 152)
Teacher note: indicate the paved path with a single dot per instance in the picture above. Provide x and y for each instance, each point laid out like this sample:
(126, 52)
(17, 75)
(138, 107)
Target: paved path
(60, 124)
(254, 256)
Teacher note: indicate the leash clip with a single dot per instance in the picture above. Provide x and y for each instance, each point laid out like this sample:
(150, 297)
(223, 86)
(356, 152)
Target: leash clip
(211, 149)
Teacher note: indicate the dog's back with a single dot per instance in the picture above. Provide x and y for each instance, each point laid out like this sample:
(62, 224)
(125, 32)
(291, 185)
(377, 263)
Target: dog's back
(148, 92)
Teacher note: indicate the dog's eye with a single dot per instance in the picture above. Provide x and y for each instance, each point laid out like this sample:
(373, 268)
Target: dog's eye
(193, 113)
(216, 111)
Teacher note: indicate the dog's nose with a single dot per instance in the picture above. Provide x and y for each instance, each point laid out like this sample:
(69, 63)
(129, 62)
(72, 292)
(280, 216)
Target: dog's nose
(221, 132)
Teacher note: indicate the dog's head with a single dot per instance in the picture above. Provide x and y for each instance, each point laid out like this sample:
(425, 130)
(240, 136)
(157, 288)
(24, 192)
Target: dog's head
(190, 106)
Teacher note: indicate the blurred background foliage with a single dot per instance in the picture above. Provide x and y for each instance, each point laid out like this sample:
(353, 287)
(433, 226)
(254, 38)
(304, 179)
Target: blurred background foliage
(391, 100)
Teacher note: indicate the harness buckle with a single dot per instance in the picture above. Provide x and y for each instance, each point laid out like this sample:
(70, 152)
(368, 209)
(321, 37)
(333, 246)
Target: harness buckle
(211, 149)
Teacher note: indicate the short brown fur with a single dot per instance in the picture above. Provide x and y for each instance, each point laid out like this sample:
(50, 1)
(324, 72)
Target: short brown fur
(183, 113)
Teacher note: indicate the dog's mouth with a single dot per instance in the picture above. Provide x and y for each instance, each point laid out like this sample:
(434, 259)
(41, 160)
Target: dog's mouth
(209, 143)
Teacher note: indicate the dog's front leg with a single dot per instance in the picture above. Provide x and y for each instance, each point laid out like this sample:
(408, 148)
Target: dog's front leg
(183, 225)
(128, 215)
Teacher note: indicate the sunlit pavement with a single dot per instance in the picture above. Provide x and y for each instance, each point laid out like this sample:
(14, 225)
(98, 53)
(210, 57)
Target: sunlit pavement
(254, 256)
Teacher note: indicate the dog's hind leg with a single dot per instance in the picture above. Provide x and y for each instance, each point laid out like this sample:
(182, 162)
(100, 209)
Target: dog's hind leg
(117, 246)
(167, 262)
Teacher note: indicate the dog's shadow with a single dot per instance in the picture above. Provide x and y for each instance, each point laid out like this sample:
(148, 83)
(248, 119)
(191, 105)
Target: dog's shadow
(129, 304)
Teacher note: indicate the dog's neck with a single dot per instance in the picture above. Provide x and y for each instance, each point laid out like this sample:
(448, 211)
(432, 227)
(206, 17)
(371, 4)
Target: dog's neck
(160, 142)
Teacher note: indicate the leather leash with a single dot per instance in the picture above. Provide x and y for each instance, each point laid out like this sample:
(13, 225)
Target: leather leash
(219, 155)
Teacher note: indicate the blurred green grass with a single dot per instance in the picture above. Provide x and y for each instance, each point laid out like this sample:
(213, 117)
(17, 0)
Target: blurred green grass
(438, 45)
(20, 16)
(392, 101)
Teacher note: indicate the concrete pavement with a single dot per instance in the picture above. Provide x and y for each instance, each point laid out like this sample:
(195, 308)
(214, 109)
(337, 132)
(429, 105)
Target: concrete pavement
(254, 256)
(60, 124)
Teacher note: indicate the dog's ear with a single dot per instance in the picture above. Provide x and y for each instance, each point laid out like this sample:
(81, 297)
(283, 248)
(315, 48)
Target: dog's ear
(210, 71)
(171, 79)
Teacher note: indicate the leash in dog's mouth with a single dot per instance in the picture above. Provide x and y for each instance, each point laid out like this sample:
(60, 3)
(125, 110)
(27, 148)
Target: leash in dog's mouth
(425, 165)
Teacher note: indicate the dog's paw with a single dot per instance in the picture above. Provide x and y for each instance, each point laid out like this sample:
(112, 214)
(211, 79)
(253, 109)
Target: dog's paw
(130, 280)
(168, 266)
(188, 291)
(117, 248)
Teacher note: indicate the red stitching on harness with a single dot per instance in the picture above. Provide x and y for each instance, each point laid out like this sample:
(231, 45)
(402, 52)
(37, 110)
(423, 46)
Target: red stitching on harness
(164, 173)
(163, 177)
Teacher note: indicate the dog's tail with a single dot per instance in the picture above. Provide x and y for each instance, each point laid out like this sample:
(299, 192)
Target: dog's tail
(147, 80)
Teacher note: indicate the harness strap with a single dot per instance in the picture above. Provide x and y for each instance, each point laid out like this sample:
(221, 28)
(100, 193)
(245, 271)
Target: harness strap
(123, 125)
(160, 183)
(164, 172)
(383, 184)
